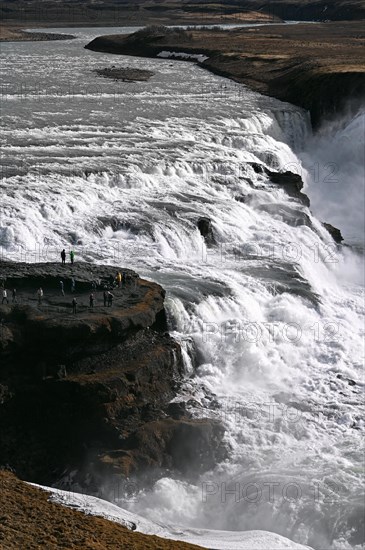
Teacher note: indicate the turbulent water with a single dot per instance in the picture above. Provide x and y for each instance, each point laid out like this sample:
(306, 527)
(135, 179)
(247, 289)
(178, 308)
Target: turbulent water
(271, 317)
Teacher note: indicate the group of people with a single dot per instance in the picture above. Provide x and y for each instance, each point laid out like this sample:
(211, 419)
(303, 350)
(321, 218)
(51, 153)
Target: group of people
(5, 296)
(63, 257)
(119, 280)
(108, 300)
(108, 296)
(72, 287)
(14, 299)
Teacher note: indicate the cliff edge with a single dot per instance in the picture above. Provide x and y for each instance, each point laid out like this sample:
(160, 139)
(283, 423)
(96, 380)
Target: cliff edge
(86, 395)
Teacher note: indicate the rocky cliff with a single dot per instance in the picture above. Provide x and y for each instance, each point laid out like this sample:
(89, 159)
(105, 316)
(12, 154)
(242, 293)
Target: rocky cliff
(89, 392)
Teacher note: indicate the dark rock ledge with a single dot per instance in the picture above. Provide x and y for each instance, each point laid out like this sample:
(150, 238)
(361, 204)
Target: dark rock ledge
(290, 182)
(125, 74)
(89, 392)
(334, 232)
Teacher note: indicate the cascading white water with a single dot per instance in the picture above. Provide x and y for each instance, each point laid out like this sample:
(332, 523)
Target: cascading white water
(122, 172)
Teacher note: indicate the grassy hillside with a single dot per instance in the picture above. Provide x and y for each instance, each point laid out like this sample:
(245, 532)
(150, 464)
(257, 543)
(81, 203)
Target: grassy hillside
(29, 521)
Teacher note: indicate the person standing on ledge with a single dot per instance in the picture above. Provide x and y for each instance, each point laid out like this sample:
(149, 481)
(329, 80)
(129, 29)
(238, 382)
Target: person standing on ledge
(72, 256)
(73, 284)
(13, 294)
(5, 296)
(40, 295)
(134, 281)
(91, 300)
(74, 305)
(62, 288)
(63, 257)
(110, 299)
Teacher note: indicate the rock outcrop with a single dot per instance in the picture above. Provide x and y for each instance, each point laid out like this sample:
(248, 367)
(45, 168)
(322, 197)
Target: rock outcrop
(291, 183)
(206, 231)
(79, 392)
(125, 74)
(334, 232)
(189, 446)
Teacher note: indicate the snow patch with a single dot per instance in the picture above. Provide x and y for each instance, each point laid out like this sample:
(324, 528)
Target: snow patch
(195, 56)
(215, 540)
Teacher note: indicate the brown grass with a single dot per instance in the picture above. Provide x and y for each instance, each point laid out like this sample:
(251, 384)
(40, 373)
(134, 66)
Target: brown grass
(29, 521)
(316, 66)
(16, 33)
(11, 32)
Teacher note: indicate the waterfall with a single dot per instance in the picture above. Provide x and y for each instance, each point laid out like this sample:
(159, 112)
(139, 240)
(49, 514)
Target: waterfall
(270, 317)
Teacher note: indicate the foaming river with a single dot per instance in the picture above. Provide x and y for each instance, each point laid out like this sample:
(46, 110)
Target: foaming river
(271, 318)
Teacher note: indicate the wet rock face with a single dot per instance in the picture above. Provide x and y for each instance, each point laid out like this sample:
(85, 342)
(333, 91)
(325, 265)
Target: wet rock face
(286, 178)
(206, 231)
(54, 425)
(89, 391)
(189, 446)
(196, 445)
(291, 183)
(334, 232)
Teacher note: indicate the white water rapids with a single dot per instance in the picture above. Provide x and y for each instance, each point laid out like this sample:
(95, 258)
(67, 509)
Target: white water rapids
(274, 311)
